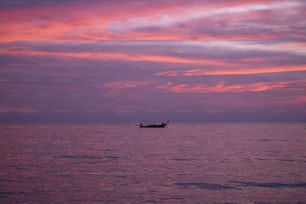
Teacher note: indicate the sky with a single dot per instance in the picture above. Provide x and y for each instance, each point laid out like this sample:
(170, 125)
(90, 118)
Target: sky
(128, 60)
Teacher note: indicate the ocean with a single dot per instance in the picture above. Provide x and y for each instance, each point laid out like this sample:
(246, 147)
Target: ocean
(182, 163)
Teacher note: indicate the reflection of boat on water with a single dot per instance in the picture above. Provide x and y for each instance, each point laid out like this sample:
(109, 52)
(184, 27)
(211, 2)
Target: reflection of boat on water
(162, 125)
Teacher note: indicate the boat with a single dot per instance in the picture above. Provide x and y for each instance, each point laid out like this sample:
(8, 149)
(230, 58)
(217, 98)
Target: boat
(161, 125)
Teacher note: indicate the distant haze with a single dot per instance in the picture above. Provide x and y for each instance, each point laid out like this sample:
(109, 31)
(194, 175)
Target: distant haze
(128, 61)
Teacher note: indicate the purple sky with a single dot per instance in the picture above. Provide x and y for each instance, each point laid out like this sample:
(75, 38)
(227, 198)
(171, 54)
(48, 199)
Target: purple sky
(92, 61)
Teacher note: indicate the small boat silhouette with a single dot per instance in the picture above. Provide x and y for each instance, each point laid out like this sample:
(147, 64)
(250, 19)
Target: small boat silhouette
(162, 125)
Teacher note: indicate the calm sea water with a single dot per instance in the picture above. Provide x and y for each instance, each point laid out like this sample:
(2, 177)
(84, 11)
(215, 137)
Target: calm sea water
(183, 163)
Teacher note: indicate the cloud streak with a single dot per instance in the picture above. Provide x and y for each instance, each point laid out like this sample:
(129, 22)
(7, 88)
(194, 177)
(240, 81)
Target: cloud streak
(130, 57)
(200, 72)
(221, 87)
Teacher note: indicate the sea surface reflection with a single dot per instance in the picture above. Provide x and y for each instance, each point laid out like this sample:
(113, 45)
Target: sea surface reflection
(183, 163)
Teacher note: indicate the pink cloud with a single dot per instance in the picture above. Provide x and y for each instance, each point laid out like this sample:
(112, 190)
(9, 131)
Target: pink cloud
(157, 53)
(95, 20)
(116, 56)
(124, 84)
(222, 87)
(247, 71)
(16, 109)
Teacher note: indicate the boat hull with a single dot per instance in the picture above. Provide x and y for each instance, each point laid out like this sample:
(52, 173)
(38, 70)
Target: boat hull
(162, 125)
(153, 126)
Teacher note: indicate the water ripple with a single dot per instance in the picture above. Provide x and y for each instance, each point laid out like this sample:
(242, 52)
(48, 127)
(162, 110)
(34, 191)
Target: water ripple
(207, 186)
(272, 185)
